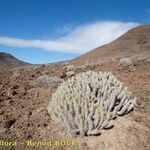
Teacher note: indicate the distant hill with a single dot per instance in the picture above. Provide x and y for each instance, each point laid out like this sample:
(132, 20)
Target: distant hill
(135, 42)
(8, 61)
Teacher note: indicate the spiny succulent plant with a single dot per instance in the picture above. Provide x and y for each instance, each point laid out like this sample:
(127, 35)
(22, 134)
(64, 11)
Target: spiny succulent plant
(87, 102)
(46, 81)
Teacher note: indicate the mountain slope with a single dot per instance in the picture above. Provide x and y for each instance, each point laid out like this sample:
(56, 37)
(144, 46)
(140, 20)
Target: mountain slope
(133, 43)
(8, 61)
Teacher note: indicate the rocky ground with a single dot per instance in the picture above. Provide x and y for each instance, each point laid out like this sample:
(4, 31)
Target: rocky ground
(24, 99)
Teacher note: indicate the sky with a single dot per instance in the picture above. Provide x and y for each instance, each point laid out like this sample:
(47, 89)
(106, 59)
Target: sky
(44, 31)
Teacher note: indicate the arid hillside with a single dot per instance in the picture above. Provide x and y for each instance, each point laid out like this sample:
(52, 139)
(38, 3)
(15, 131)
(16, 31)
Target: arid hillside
(8, 61)
(25, 93)
(135, 43)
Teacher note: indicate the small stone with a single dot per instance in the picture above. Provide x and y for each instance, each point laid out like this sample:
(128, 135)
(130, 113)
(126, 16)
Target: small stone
(126, 61)
(9, 123)
(22, 91)
(70, 73)
(70, 67)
